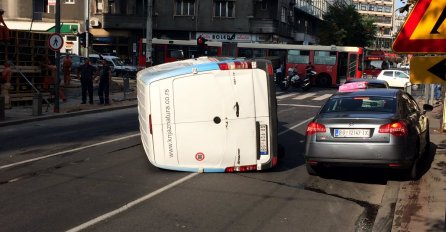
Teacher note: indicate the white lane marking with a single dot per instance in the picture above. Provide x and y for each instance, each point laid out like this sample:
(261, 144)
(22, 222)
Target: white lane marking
(130, 204)
(285, 96)
(297, 125)
(304, 96)
(299, 105)
(322, 97)
(67, 151)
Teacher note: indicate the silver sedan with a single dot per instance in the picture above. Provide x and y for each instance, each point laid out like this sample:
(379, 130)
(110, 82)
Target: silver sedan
(374, 127)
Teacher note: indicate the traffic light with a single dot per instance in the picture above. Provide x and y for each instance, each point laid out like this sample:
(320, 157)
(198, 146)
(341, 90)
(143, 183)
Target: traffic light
(201, 45)
(83, 39)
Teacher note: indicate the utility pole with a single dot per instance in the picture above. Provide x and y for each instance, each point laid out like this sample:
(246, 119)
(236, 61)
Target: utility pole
(57, 61)
(87, 26)
(149, 31)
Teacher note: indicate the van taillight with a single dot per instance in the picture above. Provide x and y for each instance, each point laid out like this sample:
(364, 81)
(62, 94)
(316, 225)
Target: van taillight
(246, 168)
(395, 128)
(235, 65)
(314, 128)
(150, 123)
(270, 70)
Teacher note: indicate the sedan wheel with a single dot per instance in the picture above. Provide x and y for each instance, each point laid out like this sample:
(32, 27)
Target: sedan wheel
(312, 170)
(412, 173)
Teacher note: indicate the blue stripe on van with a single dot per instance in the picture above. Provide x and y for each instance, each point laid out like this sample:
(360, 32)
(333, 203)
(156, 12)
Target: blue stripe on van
(186, 169)
(151, 76)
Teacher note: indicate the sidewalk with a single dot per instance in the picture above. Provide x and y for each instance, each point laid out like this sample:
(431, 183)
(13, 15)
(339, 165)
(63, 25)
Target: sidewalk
(24, 113)
(421, 204)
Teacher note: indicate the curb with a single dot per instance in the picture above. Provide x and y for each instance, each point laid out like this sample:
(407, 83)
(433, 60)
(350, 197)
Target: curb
(65, 115)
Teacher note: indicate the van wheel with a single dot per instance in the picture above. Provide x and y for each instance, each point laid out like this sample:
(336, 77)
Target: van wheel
(323, 80)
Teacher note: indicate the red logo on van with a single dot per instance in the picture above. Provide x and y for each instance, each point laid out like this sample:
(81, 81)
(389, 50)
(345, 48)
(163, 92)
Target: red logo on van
(199, 156)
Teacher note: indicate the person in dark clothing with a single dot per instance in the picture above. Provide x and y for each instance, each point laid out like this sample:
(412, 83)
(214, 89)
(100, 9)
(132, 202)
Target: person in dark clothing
(104, 83)
(87, 74)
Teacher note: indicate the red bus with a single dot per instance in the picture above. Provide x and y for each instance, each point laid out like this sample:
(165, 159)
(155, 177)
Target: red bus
(375, 61)
(333, 64)
(165, 51)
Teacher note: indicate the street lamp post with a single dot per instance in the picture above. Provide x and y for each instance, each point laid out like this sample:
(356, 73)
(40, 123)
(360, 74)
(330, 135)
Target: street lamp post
(87, 26)
(149, 31)
(57, 61)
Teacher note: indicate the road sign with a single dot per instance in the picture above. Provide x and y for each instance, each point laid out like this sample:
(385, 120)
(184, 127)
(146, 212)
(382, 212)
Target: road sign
(428, 70)
(55, 42)
(424, 30)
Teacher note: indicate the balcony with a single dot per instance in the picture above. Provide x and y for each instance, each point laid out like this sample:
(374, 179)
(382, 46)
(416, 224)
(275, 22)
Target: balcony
(113, 21)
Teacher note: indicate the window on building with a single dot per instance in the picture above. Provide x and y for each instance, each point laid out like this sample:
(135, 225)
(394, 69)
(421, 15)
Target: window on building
(363, 6)
(69, 2)
(185, 7)
(99, 6)
(283, 15)
(379, 8)
(50, 6)
(264, 5)
(224, 9)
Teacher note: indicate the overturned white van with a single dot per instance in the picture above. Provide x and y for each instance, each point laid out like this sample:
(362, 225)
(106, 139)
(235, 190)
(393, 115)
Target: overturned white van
(209, 115)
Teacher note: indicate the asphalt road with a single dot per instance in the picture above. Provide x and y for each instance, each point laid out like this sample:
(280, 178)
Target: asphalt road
(90, 173)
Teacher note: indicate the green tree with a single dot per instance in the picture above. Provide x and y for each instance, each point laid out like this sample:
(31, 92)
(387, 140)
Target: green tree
(344, 26)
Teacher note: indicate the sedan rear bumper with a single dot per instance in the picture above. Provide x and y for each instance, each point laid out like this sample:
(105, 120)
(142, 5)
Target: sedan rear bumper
(360, 154)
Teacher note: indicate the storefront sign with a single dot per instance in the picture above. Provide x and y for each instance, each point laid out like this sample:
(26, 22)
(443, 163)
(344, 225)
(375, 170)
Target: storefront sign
(226, 37)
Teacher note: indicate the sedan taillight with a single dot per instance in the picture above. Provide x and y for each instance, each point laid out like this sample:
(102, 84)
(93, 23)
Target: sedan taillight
(314, 127)
(395, 128)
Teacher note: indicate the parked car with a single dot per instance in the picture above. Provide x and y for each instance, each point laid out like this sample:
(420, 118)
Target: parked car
(374, 127)
(396, 78)
(117, 65)
(370, 83)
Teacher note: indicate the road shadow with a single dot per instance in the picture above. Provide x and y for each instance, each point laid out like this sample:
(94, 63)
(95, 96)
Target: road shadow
(291, 148)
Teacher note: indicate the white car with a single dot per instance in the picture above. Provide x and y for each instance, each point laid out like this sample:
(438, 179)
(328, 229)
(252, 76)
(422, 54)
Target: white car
(395, 78)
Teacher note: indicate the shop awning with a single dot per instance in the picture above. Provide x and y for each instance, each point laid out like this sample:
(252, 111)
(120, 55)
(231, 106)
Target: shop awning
(26, 25)
(66, 28)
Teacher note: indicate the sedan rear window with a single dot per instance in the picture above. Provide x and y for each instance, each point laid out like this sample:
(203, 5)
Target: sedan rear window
(360, 104)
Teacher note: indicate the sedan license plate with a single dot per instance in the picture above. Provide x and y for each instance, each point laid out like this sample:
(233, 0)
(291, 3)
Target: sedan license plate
(263, 139)
(351, 133)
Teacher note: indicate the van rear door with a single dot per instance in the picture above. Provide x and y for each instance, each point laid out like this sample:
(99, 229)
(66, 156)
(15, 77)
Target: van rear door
(200, 118)
(215, 119)
(241, 126)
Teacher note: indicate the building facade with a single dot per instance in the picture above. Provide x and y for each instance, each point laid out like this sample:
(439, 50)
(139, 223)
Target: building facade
(39, 16)
(118, 26)
(382, 12)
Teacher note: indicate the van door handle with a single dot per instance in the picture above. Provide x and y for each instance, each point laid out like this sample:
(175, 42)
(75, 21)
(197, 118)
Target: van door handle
(237, 108)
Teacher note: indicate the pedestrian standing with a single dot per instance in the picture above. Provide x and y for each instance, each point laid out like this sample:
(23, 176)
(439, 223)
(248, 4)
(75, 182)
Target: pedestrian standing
(104, 83)
(6, 84)
(66, 68)
(52, 78)
(437, 92)
(87, 73)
